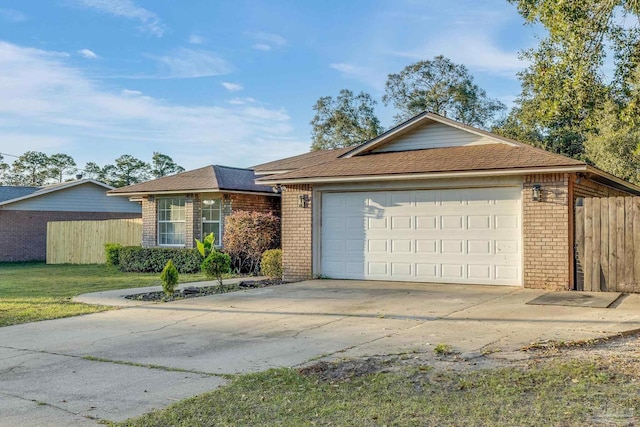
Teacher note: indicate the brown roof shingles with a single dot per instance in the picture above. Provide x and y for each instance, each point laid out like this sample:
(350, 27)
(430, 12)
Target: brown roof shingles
(434, 160)
(305, 160)
(214, 178)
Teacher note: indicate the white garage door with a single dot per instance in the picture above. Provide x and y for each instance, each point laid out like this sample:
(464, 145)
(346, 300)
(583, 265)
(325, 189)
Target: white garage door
(447, 236)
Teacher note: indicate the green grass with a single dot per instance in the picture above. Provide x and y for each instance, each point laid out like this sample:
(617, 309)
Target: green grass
(35, 291)
(573, 393)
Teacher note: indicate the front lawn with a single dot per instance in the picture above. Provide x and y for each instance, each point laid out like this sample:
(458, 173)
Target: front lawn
(36, 291)
(556, 392)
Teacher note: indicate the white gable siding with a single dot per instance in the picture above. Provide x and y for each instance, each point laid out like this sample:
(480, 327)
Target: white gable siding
(82, 198)
(434, 135)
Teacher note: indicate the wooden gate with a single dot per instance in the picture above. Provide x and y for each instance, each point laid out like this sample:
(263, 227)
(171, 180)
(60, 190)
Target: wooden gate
(607, 251)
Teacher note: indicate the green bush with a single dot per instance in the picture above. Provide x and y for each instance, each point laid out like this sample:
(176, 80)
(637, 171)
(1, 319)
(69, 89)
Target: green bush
(207, 245)
(271, 264)
(216, 265)
(136, 259)
(112, 252)
(247, 235)
(169, 277)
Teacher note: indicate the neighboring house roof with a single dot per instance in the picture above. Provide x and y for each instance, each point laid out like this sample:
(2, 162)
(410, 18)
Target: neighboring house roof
(212, 178)
(484, 154)
(24, 193)
(9, 192)
(312, 158)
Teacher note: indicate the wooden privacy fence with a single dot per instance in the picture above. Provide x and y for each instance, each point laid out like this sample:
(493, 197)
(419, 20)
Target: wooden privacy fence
(82, 242)
(607, 242)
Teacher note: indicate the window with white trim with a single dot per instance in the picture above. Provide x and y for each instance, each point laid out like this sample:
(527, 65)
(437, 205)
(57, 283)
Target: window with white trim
(171, 221)
(211, 213)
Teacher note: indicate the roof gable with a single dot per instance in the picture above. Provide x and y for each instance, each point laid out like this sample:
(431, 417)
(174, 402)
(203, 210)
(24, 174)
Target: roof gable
(428, 130)
(305, 160)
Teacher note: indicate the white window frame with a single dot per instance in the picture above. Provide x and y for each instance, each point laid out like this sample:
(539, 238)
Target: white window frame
(204, 221)
(172, 221)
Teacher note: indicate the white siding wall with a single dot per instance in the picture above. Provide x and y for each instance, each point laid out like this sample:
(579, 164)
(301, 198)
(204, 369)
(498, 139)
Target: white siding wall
(82, 198)
(434, 135)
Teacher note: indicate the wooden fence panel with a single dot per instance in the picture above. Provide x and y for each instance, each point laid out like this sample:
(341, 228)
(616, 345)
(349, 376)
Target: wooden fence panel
(82, 242)
(607, 244)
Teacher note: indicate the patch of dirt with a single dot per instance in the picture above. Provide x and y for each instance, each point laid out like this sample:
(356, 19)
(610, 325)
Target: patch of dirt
(194, 292)
(620, 351)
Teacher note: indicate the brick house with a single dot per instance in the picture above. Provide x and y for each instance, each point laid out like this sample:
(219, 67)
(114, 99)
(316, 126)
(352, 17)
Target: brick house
(180, 208)
(25, 211)
(434, 200)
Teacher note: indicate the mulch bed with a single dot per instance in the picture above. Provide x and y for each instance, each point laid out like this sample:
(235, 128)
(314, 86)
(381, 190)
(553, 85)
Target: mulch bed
(193, 292)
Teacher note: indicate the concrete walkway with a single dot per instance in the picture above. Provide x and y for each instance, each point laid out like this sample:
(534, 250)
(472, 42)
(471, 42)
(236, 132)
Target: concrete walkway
(118, 364)
(117, 298)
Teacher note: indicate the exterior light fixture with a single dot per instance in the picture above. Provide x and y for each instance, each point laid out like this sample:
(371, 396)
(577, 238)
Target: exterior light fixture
(535, 194)
(303, 201)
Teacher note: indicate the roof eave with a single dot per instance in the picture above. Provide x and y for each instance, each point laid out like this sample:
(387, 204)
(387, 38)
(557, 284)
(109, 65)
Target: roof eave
(428, 175)
(44, 191)
(618, 183)
(199, 191)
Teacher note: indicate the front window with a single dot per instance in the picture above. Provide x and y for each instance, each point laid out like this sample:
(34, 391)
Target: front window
(211, 219)
(171, 221)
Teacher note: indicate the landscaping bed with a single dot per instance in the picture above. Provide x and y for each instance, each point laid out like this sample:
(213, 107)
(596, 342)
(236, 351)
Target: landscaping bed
(193, 292)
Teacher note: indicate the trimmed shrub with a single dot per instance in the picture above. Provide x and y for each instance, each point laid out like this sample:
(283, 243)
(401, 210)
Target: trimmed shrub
(169, 277)
(137, 259)
(112, 252)
(247, 235)
(271, 264)
(216, 265)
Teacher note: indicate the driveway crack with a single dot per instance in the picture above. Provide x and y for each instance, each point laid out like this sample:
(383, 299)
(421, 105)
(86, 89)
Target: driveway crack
(477, 304)
(38, 402)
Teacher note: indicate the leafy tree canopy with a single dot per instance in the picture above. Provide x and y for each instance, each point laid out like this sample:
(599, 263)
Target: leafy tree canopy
(347, 120)
(163, 165)
(442, 87)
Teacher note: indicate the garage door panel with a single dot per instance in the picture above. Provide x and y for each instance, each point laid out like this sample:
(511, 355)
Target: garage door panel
(456, 236)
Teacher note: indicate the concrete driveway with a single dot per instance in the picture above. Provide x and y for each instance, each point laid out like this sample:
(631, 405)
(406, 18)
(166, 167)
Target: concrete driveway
(78, 370)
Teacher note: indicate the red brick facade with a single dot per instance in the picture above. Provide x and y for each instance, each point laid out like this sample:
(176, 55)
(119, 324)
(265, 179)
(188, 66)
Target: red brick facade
(231, 202)
(23, 234)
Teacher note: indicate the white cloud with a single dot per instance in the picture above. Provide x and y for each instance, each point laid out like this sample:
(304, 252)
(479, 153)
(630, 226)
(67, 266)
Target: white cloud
(196, 39)
(12, 15)
(186, 63)
(232, 87)
(267, 41)
(149, 21)
(370, 75)
(87, 53)
(44, 102)
(242, 101)
(261, 46)
(477, 51)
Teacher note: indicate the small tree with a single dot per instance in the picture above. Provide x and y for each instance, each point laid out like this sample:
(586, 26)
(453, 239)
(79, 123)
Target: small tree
(216, 265)
(169, 277)
(271, 264)
(206, 246)
(247, 235)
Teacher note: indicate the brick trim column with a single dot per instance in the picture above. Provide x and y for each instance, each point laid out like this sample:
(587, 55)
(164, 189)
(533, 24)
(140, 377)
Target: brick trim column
(149, 222)
(297, 233)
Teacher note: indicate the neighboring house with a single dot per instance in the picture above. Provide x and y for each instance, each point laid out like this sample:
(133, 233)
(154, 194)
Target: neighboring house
(25, 211)
(433, 200)
(180, 208)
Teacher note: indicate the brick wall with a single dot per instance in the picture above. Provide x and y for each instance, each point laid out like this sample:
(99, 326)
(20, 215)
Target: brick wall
(193, 214)
(296, 234)
(23, 234)
(149, 222)
(546, 229)
(255, 202)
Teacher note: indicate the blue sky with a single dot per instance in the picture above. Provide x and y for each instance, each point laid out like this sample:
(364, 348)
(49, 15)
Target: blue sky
(223, 82)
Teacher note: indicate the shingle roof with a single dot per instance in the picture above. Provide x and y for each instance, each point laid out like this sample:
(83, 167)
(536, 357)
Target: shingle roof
(213, 178)
(305, 160)
(13, 192)
(451, 159)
